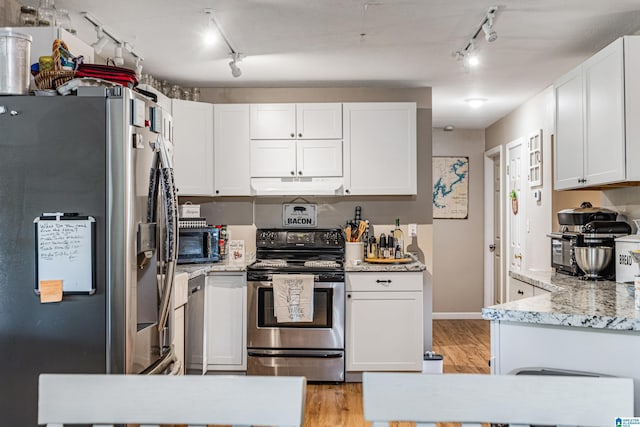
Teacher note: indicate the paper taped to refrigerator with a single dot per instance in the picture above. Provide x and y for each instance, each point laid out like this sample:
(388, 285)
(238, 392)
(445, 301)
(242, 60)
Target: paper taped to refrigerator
(65, 251)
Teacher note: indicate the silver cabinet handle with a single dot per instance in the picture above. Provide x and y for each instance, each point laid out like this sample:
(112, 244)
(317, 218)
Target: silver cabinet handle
(299, 172)
(383, 281)
(520, 292)
(293, 173)
(293, 135)
(299, 135)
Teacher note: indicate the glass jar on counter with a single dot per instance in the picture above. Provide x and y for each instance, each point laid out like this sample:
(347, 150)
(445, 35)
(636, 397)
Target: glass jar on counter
(195, 94)
(64, 20)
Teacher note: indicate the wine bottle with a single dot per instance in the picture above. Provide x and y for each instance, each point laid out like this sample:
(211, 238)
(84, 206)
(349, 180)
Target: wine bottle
(398, 236)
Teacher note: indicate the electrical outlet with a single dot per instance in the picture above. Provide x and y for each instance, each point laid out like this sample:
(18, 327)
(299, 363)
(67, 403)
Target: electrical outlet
(413, 230)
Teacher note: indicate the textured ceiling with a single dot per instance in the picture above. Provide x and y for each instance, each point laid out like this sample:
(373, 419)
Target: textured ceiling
(408, 43)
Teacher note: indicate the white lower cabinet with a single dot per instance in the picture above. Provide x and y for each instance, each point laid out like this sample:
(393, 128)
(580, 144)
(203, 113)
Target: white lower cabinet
(519, 289)
(226, 322)
(384, 321)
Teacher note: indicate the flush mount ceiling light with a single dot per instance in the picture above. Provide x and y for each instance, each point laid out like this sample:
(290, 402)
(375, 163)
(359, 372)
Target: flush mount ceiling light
(486, 25)
(233, 53)
(475, 102)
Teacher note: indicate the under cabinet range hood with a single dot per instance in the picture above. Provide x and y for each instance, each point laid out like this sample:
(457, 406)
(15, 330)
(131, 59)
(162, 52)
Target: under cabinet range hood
(297, 186)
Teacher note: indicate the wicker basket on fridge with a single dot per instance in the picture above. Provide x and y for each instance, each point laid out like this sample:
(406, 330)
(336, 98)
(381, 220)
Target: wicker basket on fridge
(54, 78)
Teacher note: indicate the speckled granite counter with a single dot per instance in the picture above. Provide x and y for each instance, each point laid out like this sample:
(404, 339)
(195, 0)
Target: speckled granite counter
(195, 270)
(572, 302)
(371, 267)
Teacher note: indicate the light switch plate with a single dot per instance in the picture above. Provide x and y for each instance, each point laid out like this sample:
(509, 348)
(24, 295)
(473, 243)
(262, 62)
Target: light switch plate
(413, 230)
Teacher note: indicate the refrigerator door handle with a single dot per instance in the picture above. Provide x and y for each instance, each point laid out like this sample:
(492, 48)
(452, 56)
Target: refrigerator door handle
(171, 207)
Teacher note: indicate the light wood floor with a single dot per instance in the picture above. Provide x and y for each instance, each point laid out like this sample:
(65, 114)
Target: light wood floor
(464, 344)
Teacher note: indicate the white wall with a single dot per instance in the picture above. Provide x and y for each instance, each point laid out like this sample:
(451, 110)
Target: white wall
(457, 243)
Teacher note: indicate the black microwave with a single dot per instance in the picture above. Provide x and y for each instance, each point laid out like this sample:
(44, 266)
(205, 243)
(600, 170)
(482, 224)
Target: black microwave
(198, 245)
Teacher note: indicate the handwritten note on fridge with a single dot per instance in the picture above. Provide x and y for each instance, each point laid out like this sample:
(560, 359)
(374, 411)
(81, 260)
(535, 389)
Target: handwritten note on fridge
(65, 251)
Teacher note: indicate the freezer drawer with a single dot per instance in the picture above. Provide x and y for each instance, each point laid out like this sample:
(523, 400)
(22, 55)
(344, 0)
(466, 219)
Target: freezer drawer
(316, 365)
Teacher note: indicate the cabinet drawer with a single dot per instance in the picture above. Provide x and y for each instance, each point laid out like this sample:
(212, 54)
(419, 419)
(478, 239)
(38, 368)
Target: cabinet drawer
(519, 290)
(382, 281)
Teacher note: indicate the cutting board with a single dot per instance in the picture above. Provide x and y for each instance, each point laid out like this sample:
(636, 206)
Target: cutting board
(388, 260)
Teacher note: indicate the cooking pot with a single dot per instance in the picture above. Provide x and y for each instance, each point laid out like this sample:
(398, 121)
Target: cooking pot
(584, 214)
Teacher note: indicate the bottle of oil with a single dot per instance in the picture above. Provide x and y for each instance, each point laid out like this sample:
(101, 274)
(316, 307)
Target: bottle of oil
(398, 238)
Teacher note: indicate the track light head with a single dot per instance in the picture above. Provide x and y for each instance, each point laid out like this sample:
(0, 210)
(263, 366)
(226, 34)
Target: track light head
(117, 55)
(139, 66)
(101, 42)
(489, 33)
(233, 64)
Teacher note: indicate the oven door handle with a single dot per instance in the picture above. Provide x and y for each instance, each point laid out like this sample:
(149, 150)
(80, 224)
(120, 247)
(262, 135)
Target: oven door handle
(327, 355)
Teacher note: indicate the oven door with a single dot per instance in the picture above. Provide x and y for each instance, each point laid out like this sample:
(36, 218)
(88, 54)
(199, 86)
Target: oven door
(326, 331)
(316, 365)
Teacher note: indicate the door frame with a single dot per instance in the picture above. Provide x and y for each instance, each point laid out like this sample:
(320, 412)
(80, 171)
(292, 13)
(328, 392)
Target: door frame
(489, 157)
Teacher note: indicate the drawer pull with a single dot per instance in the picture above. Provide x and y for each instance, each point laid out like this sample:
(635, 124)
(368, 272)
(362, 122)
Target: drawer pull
(383, 281)
(520, 292)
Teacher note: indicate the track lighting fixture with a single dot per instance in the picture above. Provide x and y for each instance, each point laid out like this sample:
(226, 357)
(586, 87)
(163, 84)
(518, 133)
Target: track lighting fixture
(117, 55)
(235, 70)
(139, 66)
(233, 53)
(101, 42)
(490, 35)
(105, 35)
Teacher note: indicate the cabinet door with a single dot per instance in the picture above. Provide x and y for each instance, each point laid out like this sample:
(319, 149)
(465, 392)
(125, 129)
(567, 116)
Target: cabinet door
(569, 143)
(319, 158)
(519, 290)
(273, 121)
(319, 121)
(384, 331)
(226, 299)
(604, 116)
(380, 137)
(275, 158)
(193, 147)
(231, 150)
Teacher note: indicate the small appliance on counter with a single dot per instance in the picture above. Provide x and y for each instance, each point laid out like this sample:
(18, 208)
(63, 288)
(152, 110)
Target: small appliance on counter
(585, 245)
(626, 268)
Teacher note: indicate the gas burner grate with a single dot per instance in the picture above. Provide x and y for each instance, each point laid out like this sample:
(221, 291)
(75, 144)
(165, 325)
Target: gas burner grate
(322, 263)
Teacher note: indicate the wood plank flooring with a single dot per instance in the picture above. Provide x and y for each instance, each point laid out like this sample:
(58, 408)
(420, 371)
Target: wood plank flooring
(465, 345)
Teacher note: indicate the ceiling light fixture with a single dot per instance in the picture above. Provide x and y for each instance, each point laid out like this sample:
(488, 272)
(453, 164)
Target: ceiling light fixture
(486, 26)
(475, 102)
(233, 53)
(117, 55)
(105, 35)
(235, 70)
(101, 42)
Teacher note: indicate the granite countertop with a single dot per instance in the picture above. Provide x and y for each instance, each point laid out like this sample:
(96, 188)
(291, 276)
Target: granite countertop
(364, 266)
(195, 270)
(572, 302)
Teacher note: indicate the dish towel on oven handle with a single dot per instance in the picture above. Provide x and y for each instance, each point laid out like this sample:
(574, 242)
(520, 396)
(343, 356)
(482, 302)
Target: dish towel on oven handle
(293, 297)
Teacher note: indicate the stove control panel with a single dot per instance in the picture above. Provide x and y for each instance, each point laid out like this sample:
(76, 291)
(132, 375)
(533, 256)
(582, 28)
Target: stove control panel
(299, 238)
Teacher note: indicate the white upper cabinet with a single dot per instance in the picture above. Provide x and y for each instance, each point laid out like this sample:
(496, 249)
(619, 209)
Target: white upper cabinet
(296, 121)
(380, 148)
(231, 150)
(319, 121)
(193, 147)
(596, 118)
(286, 158)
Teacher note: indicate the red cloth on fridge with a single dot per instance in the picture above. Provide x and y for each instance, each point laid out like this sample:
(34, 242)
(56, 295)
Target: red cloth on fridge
(123, 76)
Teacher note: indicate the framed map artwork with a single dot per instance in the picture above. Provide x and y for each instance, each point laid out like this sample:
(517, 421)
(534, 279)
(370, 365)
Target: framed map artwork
(450, 187)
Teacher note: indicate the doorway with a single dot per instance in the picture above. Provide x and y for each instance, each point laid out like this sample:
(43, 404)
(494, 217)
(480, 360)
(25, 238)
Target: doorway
(516, 184)
(494, 288)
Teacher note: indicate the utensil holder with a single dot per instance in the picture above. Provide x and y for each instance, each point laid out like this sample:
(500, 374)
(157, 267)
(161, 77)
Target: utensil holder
(353, 252)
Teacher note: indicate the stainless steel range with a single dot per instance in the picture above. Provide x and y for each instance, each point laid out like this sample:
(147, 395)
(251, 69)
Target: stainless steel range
(315, 348)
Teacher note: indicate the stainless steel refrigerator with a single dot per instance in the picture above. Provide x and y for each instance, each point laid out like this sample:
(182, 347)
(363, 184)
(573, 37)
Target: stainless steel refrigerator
(105, 153)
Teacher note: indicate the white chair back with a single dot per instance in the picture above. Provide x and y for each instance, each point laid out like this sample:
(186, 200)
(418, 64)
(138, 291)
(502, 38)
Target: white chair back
(163, 399)
(503, 399)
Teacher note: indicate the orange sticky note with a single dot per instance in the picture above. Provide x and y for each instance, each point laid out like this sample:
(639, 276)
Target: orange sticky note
(50, 291)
